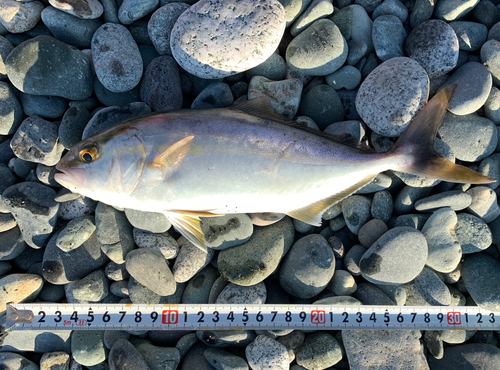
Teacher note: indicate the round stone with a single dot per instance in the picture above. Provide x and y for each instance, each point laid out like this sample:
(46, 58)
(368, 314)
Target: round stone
(117, 60)
(76, 232)
(471, 35)
(161, 242)
(455, 199)
(355, 24)
(235, 294)
(317, 9)
(319, 351)
(342, 283)
(18, 17)
(391, 7)
(427, 289)
(389, 36)
(151, 222)
(391, 96)
(347, 77)
(384, 262)
(161, 24)
(273, 68)
(472, 233)
(490, 57)
(434, 45)
(132, 10)
(356, 211)
(449, 10)
(221, 359)
(216, 39)
(481, 276)
(319, 50)
(323, 105)
(92, 288)
(189, 261)
(215, 95)
(46, 66)
(266, 353)
(43, 106)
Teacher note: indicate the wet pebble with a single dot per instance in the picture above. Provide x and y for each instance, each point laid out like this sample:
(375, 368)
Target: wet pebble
(264, 353)
(284, 95)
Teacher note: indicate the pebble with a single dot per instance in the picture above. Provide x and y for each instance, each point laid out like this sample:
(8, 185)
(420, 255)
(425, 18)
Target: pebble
(150, 269)
(318, 50)
(117, 74)
(11, 113)
(484, 203)
(308, 267)
(450, 10)
(119, 289)
(123, 355)
(370, 294)
(455, 199)
(148, 221)
(70, 78)
(18, 17)
(190, 260)
(161, 24)
(388, 110)
(161, 85)
(215, 95)
(273, 68)
(319, 351)
(34, 209)
(92, 288)
(445, 251)
(371, 231)
(382, 206)
(55, 361)
(226, 338)
(11, 244)
(216, 39)
(357, 50)
(292, 342)
(475, 355)
(43, 106)
(15, 361)
(392, 348)
(317, 9)
(342, 283)
(352, 259)
(235, 294)
(427, 289)
(252, 262)
(356, 211)
(492, 106)
(159, 358)
(68, 28)
(355, 24)
(198, 288)
(472, 233)
(19, 288)
(266, 353)
(391, 7)
(347, 77)
(481, 274)
(160, 242)
(222, 360)
(130, 10)
(471, 35)
(323, 105)
(490, 57)
(75, 233)
(474, 84)
(389, 36)
(285, 95)
(116, 272)
(71, 209)
(89, 9)
(61, 267)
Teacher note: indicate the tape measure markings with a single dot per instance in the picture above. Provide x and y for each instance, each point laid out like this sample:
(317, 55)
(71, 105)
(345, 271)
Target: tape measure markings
(46, 316)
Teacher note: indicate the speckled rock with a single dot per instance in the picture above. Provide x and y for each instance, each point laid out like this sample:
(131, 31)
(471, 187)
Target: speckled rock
(481, 276)
(226, 338)
(434, 45)
(198, 288)
(427, 289)
(148, 221)
(490, 57)
(319, 351)
(492, 106)
(161, 242)
(319, 50)
(207, 31)
(379, 88)
(455, 199)
(266, 353)
(190, 260)
(161, 24)
(116, 73)
(391, 7)
(18, 17)
(159, 358)
(29, 69)
(473, 234)
(235, 294)
(91, 288)
(75, 233)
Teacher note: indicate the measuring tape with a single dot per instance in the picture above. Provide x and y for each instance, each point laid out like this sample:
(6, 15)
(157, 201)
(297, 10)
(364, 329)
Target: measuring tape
(51, 316)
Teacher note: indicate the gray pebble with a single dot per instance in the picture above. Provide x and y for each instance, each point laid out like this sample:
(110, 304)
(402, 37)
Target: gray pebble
(357, 50)
(55, 361)
(384, 261)
(396, 293)
(71, 209)
(71, 79)
(481, 276)
(292, 342)
(194, 358)
(43, 106)
(308, 267)
(455, 199)
(235, 294)
(472, 233)
(92, 288)
(198, 288)
(148, 221)
(130, 10)
(15, 361)
(352, 259)
(116, 272)
(382, 205)
(355, 24)
(150, 269)
(317, 9)
(484, 203)
(5, 48)
(111, 98)
(161, 85)
(342, 283)
(222, 360)
(215, 95)
(190, 260)
(75, 233)
(11, 244)
(226, 231)
(161, 24)
(492, 106)
(18, 17)
(87, 347)
(388, 37)
(427, 289)
(293, 9)
(109, 43)
(124, 356)
(273, 68)
(347, 77)
(356, 129)
(391, 7)
(475, 354)
(252, 262)
(471, 35)
(445, 251)
(11, 113)
(449, 10)
(72, 125)
(319, 351)
(405, 200)
(161, 242)
(159, 358)
(119, 289)
(266, 353)
(371, 231)
(112, 336)
(490, 57)
(318, 50)
(356, 211)
(370, 294)
(285, 95)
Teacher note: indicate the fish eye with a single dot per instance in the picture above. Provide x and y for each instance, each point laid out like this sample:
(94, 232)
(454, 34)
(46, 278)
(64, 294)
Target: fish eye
(88, 154)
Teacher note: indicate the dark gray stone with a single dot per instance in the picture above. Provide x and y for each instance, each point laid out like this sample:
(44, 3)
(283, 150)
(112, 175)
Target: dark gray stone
(469, 356)
(87, 347)
(11, 244)
(323, 105)
(11, 113)
(481, 276)
(72, 125)
(161, 24)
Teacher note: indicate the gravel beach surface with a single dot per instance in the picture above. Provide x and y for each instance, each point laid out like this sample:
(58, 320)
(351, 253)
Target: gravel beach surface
(71, 68)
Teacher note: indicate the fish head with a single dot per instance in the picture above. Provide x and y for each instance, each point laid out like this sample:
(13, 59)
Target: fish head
(106, 166)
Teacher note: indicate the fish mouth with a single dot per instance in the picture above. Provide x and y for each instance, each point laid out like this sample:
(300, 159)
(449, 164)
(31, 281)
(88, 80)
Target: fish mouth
(73, 178)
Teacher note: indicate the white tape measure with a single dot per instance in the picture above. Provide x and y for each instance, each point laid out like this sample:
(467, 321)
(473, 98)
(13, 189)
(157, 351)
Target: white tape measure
(47, 316)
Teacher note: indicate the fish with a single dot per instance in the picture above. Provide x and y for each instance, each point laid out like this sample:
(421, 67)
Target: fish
(190, 164)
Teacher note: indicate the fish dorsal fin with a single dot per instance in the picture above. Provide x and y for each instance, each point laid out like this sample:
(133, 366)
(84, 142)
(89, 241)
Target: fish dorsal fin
(261, 107)
(189, 226)
(312, 213)
(170, 159)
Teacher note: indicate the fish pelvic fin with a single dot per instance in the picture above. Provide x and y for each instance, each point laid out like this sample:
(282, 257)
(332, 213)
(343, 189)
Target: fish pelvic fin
(312, 213)
(418, 139)
(189, 226)
(170, 159)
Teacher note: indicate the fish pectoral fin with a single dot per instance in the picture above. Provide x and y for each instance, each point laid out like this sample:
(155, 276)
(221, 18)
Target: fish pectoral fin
(312, 213)
(170, 159)
(197, 213)
(189, 226)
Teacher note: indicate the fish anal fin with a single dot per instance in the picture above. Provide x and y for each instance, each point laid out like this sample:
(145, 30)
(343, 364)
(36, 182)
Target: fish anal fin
(170, 159)
(312, 213)
(189, 226)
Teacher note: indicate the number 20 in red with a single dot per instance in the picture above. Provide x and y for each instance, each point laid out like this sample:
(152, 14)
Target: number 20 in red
(169, 317)
(318, 317)
(454, 318)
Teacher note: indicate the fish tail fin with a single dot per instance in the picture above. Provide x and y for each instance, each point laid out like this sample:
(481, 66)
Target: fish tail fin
(417, 141)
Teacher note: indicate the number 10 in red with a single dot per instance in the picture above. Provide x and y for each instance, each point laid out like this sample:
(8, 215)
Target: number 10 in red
(169, 317)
